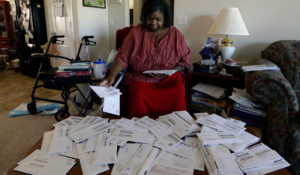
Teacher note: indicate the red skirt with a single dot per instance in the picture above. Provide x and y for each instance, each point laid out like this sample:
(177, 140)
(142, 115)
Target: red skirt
(155, 99)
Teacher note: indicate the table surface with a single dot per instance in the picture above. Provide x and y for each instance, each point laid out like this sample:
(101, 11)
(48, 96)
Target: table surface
(76, 170)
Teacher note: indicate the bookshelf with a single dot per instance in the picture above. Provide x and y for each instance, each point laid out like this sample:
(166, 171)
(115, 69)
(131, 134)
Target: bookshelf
(7, 34)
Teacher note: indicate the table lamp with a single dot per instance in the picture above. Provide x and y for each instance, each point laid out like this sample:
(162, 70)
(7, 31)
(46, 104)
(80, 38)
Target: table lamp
(228, 22)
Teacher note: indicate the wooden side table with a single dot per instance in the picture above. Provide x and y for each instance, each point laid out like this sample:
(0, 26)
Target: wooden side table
(226, 81)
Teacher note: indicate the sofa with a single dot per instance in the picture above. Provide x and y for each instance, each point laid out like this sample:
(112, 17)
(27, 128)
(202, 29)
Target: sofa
(279, 93)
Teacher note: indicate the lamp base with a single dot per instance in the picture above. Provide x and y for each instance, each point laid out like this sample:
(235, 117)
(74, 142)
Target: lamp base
(227, 52)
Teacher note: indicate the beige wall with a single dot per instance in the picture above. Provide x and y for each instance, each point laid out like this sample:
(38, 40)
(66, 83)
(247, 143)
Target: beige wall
(266, 20)
(92, 21)
(118, 17)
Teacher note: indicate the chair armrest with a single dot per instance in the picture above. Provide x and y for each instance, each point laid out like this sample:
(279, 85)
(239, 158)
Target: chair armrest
(271, 88)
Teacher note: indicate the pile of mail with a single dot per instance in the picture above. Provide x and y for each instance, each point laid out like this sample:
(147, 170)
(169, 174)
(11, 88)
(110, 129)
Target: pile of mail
(173, 144)
(244, 104)
(220, 136)
(247, 110)
(134, 146)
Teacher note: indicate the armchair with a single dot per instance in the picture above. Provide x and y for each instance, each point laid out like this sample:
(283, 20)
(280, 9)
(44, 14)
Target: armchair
(279, 92)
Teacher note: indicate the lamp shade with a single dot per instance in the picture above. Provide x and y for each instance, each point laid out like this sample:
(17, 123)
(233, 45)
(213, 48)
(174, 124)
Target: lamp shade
(229, 22)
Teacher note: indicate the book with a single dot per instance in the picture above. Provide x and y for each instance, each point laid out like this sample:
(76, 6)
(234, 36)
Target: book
(205, 68)
(62, 73)
(75, 67)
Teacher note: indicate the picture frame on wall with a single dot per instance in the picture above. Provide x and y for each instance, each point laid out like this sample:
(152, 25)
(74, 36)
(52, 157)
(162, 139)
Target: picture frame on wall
(94, 3)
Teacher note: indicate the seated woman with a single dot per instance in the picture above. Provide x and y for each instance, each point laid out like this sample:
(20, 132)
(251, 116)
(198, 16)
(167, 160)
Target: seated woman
(153, 45)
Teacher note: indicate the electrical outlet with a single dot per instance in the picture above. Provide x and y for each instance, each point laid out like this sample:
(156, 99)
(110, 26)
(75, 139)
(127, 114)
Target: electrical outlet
(182, 20)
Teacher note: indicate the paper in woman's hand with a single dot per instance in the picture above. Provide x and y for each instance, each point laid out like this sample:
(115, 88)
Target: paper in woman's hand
(160, 72)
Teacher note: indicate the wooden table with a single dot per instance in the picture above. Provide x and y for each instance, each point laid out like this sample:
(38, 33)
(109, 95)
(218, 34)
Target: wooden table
(76, 170)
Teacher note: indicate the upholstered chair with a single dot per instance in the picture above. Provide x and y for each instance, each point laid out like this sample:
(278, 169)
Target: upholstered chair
(279, 92)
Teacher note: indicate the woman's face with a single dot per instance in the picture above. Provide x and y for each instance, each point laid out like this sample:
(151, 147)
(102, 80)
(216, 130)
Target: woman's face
(155, 21)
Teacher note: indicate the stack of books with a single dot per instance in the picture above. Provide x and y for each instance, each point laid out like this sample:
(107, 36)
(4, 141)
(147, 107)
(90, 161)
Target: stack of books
(245, 108)
(205, 66)
(74, 69)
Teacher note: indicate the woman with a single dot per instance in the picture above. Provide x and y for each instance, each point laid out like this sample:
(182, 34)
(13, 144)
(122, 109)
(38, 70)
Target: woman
(153, 45)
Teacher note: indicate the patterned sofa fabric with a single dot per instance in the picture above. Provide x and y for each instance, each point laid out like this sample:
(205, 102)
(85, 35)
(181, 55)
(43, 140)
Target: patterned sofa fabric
(286, 55)
(277, 91)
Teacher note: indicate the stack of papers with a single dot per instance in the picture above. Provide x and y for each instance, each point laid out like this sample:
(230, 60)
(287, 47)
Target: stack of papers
(140, 146)
(244, 104)
(219, 136)
(133, 146)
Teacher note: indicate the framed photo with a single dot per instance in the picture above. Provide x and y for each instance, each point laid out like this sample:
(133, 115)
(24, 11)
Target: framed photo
(94, 3)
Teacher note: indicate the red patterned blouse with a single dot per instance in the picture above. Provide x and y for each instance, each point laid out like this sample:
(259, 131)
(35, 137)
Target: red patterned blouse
(142, 51)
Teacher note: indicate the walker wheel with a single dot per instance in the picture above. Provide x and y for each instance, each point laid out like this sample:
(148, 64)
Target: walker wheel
(61, 114)
(31, 107)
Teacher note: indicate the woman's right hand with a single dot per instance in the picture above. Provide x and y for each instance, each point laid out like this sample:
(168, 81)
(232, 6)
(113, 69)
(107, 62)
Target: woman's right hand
(108, 81)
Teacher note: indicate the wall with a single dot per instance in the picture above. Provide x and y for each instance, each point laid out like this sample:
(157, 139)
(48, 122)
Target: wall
(118, 17)
(266, 20)
(91, 21)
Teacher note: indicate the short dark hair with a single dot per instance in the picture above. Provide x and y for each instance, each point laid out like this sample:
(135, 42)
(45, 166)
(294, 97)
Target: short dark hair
(152, 6)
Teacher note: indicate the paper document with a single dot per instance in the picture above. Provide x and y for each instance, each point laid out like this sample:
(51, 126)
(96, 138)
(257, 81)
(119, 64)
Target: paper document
(124, 123)
(165, 135)
(256, 156)
(111, 97)
(171, 164)
(70, 121)
(260, 67)
(103, 92)
(85, 122)
(145, 123)
(97, 141)
(91, 131)
(105, 155)
(166, 72)
(60, 142)
(195, 144)
(137, 161)
(179, 122)
(131, 135)
(276, 165)
(124, 156)
(216, 138)
(112, 105)
(33, 164)
(46, 144)
(224, 160)
(217, 122)
(246, 138)
(86, 164)
(242, 97)
(210, 90)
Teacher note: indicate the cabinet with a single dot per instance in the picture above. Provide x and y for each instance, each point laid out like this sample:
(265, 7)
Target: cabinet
(7, 34)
